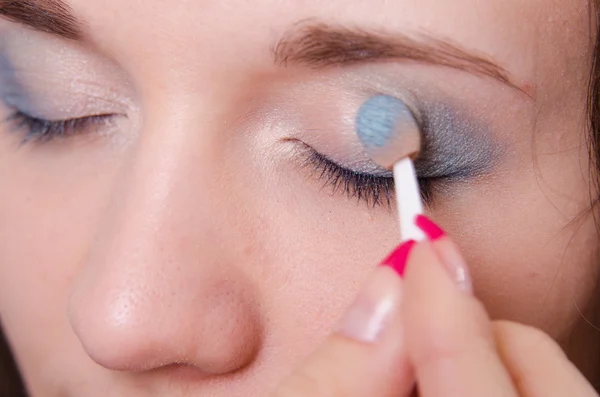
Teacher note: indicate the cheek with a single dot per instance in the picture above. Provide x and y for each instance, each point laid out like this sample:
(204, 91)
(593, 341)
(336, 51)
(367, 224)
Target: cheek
(313, 251)
(531, 240)
(49, 215)
(306, 250)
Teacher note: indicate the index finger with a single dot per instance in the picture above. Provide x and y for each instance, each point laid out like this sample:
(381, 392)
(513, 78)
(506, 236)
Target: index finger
(366, 355)
(449, 335)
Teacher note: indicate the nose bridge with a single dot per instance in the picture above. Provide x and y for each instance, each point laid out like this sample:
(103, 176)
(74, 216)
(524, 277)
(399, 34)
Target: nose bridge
(158, 288)
(165, 197)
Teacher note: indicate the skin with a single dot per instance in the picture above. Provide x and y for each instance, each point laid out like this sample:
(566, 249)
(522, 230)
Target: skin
(431, 330)
(186, 251)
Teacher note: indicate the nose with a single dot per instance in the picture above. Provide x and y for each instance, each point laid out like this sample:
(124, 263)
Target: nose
(163, 284)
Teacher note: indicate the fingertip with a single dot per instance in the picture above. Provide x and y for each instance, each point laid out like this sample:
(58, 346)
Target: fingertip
(454, 263)
(439, 317)
(448, 252)
(377, 303)
(449, 336)
(367, 352)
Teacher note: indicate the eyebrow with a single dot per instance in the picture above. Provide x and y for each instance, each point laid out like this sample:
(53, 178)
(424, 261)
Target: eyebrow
(315, 45)
(319, 45)
(50, 16)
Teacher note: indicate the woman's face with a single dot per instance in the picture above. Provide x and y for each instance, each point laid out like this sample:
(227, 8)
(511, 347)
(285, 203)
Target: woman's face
(206, 215)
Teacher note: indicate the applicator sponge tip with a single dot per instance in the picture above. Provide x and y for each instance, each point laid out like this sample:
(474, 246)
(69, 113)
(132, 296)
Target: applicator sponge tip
(387, 129)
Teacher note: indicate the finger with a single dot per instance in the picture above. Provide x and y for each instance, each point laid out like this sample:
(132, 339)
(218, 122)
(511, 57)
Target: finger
(448, 333)
(366, 355)
(538, 366)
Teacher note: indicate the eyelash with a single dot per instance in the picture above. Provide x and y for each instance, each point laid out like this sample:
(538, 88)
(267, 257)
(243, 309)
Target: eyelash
(40, 130)
(372, 189)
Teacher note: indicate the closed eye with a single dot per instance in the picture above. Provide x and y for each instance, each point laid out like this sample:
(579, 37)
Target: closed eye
(40, 130)
(375, 190)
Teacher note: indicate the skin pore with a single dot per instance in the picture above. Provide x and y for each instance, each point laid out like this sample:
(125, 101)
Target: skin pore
(192, 233)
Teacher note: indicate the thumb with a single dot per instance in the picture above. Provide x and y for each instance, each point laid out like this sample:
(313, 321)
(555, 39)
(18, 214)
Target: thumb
(366, 356)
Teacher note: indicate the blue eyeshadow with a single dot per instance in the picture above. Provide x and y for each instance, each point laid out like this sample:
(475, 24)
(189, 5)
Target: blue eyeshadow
(11, 91)
(377, 119)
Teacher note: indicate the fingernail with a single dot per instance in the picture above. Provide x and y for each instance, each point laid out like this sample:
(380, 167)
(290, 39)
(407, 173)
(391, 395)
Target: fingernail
(375, 306)
(430, 228)
(455, 264)
(369, 314)
(448, 253)
(397, 259)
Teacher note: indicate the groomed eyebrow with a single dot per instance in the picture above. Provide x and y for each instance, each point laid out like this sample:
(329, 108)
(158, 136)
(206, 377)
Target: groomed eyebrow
(318, 45)
(313, 44)
(50, 16)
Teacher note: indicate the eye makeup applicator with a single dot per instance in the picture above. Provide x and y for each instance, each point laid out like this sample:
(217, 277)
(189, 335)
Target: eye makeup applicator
(391, 136)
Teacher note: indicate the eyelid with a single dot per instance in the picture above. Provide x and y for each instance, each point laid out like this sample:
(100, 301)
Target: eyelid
(455, 144)
(371, 189)
(40, 130)
(364, 165)
(367, 167)
(53, 79)
(375, 190)
(80, 105)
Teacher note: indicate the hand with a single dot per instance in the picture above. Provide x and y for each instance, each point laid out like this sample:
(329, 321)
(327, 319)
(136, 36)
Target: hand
(429, 330)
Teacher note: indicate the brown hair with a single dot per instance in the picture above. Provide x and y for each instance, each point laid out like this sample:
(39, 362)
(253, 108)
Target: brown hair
(10, 380)
(594, 98)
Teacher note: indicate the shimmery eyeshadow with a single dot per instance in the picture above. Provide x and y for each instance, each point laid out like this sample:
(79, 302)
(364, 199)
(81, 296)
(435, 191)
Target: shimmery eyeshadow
(454, 145)
(11, 91)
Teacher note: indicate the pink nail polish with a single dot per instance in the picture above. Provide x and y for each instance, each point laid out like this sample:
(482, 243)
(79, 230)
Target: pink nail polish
(430, 228)
(397, 260)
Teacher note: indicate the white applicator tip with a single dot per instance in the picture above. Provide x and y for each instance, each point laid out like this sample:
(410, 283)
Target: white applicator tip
(390, 134)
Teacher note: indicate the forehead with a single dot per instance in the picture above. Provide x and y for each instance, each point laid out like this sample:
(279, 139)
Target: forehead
(517, 34)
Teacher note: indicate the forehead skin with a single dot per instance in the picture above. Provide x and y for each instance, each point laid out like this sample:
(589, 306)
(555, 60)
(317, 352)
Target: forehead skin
(187, 37)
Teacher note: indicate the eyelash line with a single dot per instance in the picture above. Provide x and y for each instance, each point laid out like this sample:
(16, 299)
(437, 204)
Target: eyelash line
(41, 130)
(374, 190)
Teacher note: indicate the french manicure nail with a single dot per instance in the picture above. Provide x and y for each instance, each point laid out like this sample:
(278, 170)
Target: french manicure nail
(456, 265)
(448, 252)
(397, 260)
(370, 314)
